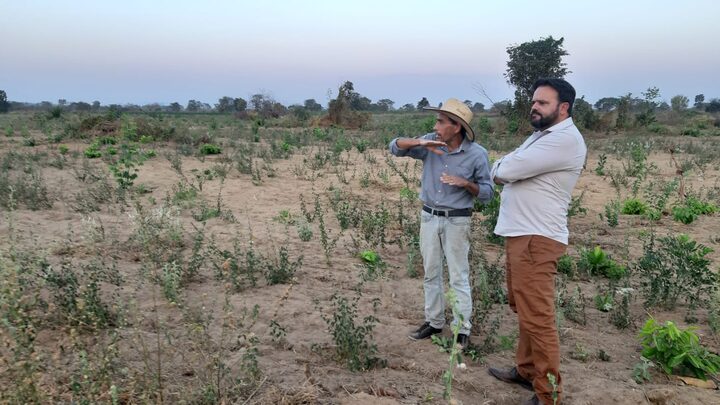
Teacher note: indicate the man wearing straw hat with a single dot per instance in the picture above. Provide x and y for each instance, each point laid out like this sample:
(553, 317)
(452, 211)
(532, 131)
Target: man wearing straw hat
(455, 173)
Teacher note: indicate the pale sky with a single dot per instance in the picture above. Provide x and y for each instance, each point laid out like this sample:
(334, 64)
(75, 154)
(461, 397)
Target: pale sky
(164, 51)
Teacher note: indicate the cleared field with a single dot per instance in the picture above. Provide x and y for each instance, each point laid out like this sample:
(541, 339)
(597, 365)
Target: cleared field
(206, 259)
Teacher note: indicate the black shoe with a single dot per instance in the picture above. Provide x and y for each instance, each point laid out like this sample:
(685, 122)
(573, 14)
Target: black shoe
(463, 341)
(511, 376)
(424, 332)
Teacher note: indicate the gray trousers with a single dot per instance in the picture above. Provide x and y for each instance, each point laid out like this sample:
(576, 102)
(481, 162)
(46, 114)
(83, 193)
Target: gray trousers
(446, 238)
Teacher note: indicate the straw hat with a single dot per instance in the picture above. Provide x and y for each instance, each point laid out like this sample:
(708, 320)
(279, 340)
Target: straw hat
(458, 111)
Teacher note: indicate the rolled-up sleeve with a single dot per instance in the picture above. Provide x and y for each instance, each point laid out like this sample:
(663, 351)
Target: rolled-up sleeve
(417, 152)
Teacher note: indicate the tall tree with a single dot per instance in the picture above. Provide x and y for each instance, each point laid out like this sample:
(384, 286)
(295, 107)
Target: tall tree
(194, 106)
(607, 104)
(385, 104)
(225, 105)
(422, 104)
(478, 107)
(175, 107)
(240, 104)
(312, 105)
(699, 100)
(4, 105)
(530, 61)
(679, 103)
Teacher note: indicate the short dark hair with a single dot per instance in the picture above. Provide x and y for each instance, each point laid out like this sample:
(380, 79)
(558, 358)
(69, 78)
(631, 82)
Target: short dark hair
(566, 92)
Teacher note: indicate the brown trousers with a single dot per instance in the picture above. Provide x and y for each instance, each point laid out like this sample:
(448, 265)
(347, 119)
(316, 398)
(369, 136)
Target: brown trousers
(531, 265)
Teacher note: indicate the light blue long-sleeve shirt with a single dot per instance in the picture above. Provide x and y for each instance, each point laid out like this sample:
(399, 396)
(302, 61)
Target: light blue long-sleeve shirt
(469, 161)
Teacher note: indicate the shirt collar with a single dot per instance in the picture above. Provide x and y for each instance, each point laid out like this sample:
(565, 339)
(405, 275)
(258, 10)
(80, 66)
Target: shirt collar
(465, 144)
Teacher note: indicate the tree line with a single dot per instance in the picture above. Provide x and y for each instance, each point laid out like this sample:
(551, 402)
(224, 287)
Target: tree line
(526, 63)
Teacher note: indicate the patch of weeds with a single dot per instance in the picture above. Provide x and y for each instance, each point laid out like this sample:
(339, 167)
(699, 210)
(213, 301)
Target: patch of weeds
(491, 212)
(604, 302)
(19, 302)
(620, 312)
(600, 169)
(634, 206)
(566, 265)
(597, 262)
(281, 269)
(78, 297)
(241, 267)
(353, 339)
(580, 353)
(612, 213)
(641, 371)
(305, 233)
(574, 307)
(675, 268)
(285, 217)
(373, 264)
(277, 331)
(575, 207)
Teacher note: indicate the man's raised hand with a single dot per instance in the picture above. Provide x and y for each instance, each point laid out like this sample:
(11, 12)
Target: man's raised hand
(433, 146)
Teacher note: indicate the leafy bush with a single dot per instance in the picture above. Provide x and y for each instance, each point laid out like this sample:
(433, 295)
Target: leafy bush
(491, 212)
(282, 270)
(634, 206)
(353, 341)
(694, 132)
(374, 265)
(677, 350)
(604, 302)
(92, 152)
(566, 265)
(612, 209)
(700, 207)
(210, 149)
(597, 262)
(684, 214)
(675, 268)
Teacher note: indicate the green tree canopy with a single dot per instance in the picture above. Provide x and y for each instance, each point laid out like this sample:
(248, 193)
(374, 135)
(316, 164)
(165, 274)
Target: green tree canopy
(312, 105)
(607, 104)
(225, 105)
(679, 103)
(530, 61)
(4, 105)
(422, 104)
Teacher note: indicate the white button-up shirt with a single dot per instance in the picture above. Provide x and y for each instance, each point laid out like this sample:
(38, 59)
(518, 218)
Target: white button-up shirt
(539, 178)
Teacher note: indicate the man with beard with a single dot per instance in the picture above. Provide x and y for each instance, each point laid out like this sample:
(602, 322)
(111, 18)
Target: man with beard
(538, 179)
(455, 173)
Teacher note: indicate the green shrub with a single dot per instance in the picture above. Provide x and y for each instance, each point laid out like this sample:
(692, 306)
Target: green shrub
(612, 211)
(566, 265)
(92, 152)
(700, 207)
(597, 262)
(634, 206)
(677, 350)
(210, 149)
(282, 270)
(604, 302)
(353, 340)
(683, 214)
(675, 268)
(694, 132)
